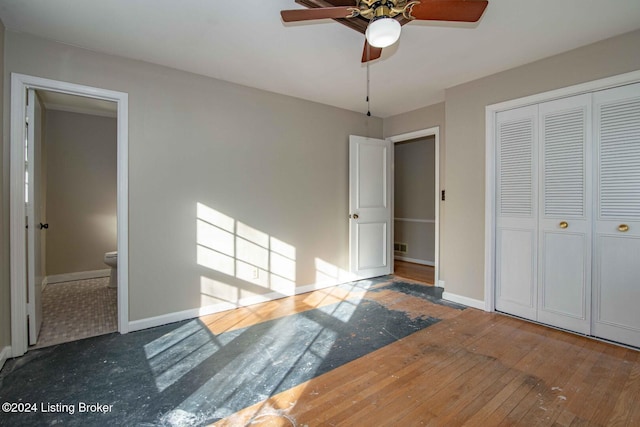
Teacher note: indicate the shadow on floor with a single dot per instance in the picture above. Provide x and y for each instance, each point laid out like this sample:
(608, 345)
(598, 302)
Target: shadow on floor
(181, 374)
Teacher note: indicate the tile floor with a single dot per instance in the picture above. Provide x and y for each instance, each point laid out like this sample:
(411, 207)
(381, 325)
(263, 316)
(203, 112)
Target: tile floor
(77, 310)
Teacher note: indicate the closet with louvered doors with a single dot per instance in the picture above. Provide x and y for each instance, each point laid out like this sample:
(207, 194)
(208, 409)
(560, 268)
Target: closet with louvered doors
(568, 213)
(616, 284)
(564, 215)
(517, 212)
(543, 213)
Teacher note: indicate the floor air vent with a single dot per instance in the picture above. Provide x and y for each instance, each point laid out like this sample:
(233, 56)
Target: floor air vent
(400, 247)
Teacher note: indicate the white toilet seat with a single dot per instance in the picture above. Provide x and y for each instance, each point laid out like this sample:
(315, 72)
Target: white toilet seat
(111, 259)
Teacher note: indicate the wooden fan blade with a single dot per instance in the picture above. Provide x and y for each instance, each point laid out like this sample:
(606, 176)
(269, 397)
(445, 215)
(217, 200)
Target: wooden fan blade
(317, 13)
(449, 10)
(374, 52)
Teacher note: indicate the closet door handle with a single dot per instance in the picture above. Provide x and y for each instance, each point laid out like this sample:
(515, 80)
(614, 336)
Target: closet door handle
(564, 224)
(623, 228)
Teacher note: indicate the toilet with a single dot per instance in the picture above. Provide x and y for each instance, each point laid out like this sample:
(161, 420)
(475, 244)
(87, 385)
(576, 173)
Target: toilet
(111, 259)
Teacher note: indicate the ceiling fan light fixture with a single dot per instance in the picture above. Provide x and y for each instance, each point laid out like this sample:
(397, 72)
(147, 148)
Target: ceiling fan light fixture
(383, 32)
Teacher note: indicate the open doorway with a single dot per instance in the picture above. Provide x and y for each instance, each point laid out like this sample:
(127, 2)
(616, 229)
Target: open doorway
(27, 253)
(416, 205)
(75, 217)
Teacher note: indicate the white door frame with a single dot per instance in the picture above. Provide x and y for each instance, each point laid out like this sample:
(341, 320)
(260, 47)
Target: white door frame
(490, 163)
(19, 85)
(435, 132)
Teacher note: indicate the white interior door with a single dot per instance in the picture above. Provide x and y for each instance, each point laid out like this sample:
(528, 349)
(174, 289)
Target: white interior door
(34, 230)
(370, 177)
(616, 289)
(564, 275)
(516, 212)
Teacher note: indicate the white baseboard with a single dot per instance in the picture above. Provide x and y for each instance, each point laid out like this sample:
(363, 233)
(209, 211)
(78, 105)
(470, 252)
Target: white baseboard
(4, 355)
(415, 261)
(80, 275)
(151, 322)
(469, 302)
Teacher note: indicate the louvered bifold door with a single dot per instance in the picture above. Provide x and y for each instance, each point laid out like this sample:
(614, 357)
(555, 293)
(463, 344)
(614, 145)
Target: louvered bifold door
(564, 240)
(616, 290)
(516, 211)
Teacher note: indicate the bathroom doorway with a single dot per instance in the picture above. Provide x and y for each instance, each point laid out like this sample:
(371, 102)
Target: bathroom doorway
(75, 142)
(68, 264)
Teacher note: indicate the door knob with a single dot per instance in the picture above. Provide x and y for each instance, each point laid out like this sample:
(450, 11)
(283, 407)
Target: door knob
(564, 224)
(355, 216)
(623, 228)
(43, 226)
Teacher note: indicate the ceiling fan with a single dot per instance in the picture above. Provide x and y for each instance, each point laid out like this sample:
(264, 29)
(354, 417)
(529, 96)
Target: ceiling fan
(381, 20)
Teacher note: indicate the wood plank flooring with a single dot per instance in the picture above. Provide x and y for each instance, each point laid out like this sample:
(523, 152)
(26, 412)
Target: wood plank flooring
(472, 368)
(413, 271)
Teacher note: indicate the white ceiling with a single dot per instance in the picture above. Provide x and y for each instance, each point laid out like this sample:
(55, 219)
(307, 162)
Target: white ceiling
(320, 61)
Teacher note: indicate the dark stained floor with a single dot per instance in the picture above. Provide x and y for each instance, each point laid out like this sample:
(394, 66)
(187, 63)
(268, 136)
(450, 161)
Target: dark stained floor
(381, 352)
(184, 374)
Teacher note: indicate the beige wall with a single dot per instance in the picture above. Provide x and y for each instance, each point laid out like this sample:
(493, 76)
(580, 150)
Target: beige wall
(276, 164)
(81, 191)
(422, 118)
(463, 253)
(414, 197)
(279, 164)
(463, 148)
(5, 294)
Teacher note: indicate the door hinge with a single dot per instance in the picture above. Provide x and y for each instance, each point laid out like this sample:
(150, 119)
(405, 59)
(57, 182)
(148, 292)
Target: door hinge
(443, 195)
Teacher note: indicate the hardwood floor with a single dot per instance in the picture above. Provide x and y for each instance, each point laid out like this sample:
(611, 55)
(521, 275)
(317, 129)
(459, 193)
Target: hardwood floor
(472, 368)
(410, 270)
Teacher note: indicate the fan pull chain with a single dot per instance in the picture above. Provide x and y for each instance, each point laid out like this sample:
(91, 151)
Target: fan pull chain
(368, 83)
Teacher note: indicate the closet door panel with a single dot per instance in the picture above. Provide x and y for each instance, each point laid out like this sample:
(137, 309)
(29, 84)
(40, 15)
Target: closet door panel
(516, 206)
(516, 287)
(564, 277)
(617, 297)
(564, 215)
(616, 287)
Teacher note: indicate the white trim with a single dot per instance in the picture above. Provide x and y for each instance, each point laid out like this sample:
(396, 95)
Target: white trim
(469, 302)
(489, 212)
(17, 214)
(415, 261)
(80, 110)
(490, 184)
(428, 221)
(435, 132)
(123, 212)
(423, 133)
(164, 319)
(79, 275)
(592, 86)
(19, 85)
(5, 354)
